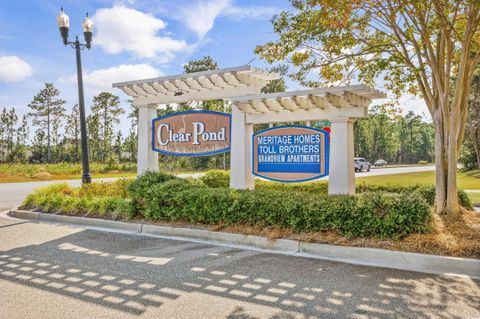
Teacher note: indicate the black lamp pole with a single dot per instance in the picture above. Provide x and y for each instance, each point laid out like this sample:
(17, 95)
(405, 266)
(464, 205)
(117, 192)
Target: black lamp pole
(63, 23)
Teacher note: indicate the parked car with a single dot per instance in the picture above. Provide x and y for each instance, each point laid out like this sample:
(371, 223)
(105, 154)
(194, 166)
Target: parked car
(361, 164)
(380, 162)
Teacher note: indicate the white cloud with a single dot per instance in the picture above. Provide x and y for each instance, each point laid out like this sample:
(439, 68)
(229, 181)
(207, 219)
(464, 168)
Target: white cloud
(102, 79)
(416, 104)
(123, 29)
(200, 16)
(14, 69)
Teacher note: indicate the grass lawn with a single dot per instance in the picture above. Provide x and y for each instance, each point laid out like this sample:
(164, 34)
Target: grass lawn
(475, 198)
(465, 180)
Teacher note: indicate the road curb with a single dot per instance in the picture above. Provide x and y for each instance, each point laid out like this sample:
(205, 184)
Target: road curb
(80, 221)
(354, 255)
(395, 259)
(285, 245)
(23, 214)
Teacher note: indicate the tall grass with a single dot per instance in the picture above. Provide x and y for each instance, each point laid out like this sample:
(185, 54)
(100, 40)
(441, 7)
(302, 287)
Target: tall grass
(47, 171)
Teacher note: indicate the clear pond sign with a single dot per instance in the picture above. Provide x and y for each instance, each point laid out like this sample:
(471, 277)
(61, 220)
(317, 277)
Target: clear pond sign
(291, 153)
(282, 153)
(192, 133)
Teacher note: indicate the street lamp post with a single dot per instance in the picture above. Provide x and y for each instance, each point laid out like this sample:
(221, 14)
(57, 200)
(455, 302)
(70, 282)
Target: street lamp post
(64, 24)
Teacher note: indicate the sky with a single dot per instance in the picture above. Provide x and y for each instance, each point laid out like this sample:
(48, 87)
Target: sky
(133, 39)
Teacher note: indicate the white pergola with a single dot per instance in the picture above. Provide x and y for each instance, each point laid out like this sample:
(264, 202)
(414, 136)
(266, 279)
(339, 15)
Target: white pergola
(242, 85)
(339, 105)
(150, 94)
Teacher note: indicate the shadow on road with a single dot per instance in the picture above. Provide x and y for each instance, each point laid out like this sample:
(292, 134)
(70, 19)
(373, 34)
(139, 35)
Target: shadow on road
(133, 273)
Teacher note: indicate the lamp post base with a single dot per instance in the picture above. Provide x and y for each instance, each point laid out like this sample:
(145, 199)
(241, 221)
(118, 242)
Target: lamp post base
(86, 179)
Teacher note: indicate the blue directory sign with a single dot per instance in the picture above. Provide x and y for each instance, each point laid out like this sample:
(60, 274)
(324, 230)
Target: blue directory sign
(291, 153)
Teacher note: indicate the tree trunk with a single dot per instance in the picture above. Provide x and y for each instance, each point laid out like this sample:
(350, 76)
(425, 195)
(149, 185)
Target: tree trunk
(49, 155)
(440, 164)
(477, 152)
(452, 205)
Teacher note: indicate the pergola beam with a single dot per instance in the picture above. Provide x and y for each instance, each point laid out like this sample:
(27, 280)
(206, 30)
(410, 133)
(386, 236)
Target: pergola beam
(129, 91)
(148, 88)
(182, 85)
(170, 86)
(232, 79)
(197, 86)
(139, 90)
(245, 107)
(273, 105)
(160, 88)
(220, 82)
(304, 102)
(289, 104)
(193, 83)
(259, 106)
(357, 100)
(301, 115)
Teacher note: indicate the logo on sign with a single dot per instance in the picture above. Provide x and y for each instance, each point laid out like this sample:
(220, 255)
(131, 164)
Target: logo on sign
(192, 133)
(291, 153)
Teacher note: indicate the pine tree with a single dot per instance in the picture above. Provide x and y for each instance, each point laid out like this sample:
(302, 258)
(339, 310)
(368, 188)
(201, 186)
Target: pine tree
(117, 147)
(72, 134)
(130, 143)
(12, 120)
(56, 147)
(38, 147)
(22, 141)
(3, 130)
(94, 142)
(47, 111)
(107, 107)
(8, 120)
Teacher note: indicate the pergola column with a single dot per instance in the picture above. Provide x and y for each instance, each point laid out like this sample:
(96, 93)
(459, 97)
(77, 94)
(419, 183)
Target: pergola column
(342, 170)
(147, 159)
(241, 175)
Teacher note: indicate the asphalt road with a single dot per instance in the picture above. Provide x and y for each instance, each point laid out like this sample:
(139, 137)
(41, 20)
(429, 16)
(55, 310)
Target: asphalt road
(12, 194)
(51, 271)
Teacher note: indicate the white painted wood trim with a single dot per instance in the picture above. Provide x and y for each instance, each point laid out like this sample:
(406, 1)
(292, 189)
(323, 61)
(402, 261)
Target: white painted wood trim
(342, 170)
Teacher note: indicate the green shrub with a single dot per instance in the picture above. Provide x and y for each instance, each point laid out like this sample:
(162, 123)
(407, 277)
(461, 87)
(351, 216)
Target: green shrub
(117, 188)
(221, 178)
(62, 198)
(378, 214)
(374, 212)
(144, 184)
(390, 215)
(464, 199)
(216, 178)
(309, 187)
(146, 180)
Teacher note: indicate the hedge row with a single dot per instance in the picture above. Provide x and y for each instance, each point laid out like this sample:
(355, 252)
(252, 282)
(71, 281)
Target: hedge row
(384, 211)
(219, 178)
(62, 198)
(161, 197)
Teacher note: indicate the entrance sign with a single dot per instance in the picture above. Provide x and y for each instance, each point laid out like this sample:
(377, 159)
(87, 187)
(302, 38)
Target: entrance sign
(178, 135)
(291, 153)
(192, 133)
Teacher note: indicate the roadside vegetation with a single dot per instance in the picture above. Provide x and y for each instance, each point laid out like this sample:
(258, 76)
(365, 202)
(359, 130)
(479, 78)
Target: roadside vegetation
(10, 173)
(387, 216)
(466, 180)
